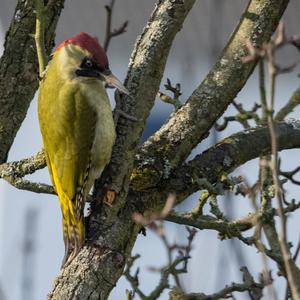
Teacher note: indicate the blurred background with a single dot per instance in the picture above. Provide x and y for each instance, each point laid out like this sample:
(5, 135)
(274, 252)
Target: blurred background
(30, 224)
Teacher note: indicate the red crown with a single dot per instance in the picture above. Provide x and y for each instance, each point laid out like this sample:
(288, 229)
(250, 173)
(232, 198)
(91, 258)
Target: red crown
(91, 44)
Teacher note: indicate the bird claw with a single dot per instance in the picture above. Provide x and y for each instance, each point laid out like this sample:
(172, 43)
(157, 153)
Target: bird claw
(118, 112)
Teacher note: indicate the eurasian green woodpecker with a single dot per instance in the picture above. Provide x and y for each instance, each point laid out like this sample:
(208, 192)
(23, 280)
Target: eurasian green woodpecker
(77, 127)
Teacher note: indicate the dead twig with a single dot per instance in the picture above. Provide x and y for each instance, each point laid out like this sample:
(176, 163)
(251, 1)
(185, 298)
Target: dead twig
(249, 285)
(174, 267)
(242, 117)
(109, 33)
(268, 52)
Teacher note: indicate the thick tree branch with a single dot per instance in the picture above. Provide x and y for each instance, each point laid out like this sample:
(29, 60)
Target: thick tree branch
(229, 154)
(18, 68)
(190, 124)
(222, 158)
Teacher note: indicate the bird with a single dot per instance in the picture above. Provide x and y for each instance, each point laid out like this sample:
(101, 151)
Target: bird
(77, 127)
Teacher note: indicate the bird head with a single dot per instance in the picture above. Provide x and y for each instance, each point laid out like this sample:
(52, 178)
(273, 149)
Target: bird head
(84, 58)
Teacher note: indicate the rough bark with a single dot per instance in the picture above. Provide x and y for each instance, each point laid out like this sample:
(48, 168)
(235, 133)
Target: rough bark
(190, 124)
(230, 153)
(19, 69)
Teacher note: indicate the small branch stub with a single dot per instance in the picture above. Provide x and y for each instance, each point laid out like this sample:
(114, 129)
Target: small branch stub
(40, 36)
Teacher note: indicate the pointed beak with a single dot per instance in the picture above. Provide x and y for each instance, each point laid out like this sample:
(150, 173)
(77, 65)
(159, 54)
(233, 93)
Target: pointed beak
(112, 80)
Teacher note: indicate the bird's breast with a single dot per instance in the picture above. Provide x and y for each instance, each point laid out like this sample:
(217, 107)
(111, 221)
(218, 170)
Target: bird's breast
(105, 134)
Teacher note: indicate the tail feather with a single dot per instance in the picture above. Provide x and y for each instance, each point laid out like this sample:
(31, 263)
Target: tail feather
(74, 238)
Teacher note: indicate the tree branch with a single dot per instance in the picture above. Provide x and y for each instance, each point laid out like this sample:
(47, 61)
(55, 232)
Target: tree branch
(109, 34)
(229, 154)
(249, 285)
(18, 68)
(23, 167)
(40, 36)
(289, 106)
(13, 172)
(227, 229)
(190, 124)
(222, 158)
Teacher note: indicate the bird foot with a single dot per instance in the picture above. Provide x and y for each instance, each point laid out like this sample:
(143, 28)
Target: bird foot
(120, 113)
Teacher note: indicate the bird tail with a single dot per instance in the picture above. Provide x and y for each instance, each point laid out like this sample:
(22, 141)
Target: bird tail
(74, 237)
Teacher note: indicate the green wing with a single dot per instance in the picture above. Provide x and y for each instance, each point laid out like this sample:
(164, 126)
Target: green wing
(68, 128)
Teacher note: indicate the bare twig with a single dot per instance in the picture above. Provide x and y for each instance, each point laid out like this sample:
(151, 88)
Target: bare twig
(226, 229)
(36, 187)
(265, 198)
(176, 90)
(249, 285)
(172, 269)
(167, 99)
(109, 34)
(293, 102)
(268, 52)
(242, 117)
(129, 295)
(295, 289)
(39, 36)
(290, 175)
(295, 41)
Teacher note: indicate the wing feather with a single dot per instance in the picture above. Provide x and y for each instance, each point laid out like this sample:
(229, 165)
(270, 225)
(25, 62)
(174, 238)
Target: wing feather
(68, 129)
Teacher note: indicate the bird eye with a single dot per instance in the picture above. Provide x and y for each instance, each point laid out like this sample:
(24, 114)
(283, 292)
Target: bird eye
(88, 63)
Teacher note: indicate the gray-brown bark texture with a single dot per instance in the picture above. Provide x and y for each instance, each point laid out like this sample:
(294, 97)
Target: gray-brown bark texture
(19, 68)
